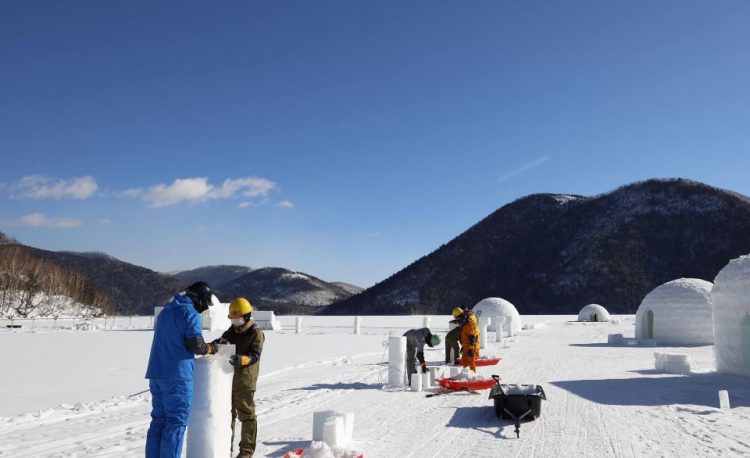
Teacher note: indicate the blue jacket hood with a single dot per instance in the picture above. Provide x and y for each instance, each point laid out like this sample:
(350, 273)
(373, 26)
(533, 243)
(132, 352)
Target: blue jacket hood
(179, 300)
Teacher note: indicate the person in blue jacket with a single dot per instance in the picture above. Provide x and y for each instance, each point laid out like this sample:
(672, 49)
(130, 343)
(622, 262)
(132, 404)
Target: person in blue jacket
(177, 338)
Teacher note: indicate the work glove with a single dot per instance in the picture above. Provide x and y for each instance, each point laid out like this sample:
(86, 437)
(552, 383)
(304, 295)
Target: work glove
(472, 339)
(424, 367)
(212, 349)
(220, 341)
(470, 353)
(240, 360)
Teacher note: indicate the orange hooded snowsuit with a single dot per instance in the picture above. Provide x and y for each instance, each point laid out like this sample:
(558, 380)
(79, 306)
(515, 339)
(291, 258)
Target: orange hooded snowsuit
(469, 341)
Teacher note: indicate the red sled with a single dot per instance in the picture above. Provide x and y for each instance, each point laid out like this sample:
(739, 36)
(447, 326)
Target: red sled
(487, 361)
(450, 384)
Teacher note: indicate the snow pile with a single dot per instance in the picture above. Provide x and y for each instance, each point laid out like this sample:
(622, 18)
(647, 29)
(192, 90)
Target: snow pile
(593, 312)
(322, 450)
(731, 299)
(467, 375)
(494, 307)
(515, 390)
(209, 427)
(679, 312)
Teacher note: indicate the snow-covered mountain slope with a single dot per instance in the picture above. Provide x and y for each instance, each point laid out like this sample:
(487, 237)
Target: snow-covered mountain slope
(354, 289)
(554, 253)
(274, 285)
(602, 400)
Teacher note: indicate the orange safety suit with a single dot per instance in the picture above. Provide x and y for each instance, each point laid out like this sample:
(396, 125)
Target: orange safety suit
(469, 341)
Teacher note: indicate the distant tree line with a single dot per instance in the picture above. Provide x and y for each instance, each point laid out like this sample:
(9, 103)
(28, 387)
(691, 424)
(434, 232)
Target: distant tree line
(31, 286)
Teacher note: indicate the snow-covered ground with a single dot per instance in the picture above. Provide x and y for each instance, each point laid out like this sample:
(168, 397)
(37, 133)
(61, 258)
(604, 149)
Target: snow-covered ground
(64, 394)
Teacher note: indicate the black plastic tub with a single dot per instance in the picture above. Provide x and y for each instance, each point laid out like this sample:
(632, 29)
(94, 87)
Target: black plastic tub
(520, 403)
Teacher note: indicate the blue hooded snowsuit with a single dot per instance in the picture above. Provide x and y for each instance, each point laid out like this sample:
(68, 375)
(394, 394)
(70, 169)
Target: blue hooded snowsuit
(177, 337)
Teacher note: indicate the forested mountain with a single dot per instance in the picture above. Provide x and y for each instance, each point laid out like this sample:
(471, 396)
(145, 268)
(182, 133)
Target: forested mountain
(553, 253)
(31, 285)
(213, 275)
(131, 289)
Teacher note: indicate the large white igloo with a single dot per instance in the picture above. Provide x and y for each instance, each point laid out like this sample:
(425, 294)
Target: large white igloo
(493, 307)
(731, 299)
(679, 312)
(593, 312)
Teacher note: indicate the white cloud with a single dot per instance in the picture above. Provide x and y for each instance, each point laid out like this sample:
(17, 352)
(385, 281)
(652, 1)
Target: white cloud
(40, 220)
(105, 221)
(285, 204)
(44, 187)
(245, 204)
(199, 190)
(247, 187)
(525, 167)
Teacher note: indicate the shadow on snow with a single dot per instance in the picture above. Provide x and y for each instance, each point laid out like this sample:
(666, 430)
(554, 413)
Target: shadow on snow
(483, 419)
(341, 386)
(697, 389)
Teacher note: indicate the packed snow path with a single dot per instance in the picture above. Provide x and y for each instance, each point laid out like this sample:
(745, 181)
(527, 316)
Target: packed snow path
(602, 401)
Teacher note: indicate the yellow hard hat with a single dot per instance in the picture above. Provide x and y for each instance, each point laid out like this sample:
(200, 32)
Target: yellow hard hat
(457, 312)
(239, 308)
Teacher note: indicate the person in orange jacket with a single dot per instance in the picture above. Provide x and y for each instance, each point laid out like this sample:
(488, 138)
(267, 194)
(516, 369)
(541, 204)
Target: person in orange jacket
(469, 337)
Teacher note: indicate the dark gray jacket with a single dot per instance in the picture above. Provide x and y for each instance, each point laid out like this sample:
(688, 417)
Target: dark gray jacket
(416, 339)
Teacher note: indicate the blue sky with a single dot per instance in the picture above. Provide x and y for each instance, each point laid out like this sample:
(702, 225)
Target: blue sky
(346, 139)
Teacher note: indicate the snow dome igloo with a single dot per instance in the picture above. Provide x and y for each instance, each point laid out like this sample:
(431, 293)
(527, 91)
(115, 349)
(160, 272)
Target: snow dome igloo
(593, 312)
(731, 299)
(495, 306)
(679, 312)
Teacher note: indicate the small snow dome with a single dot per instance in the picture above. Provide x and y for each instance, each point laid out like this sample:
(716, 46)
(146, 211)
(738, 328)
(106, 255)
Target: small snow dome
(593, 312)
(678, 312)
(731, 299)
(494, 307)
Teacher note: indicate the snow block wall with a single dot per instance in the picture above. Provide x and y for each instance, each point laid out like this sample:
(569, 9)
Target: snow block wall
(672, 363)
(209, 428)
(493, 307)
(593, 312)
(266, 320)
(731, 299)
(679, 312)
(216, 318)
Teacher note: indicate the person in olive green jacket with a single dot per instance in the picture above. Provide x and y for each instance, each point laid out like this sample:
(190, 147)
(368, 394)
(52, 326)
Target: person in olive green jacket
(248, 340)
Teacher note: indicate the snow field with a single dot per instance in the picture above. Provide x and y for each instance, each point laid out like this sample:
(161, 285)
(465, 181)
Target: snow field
(602, 400)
